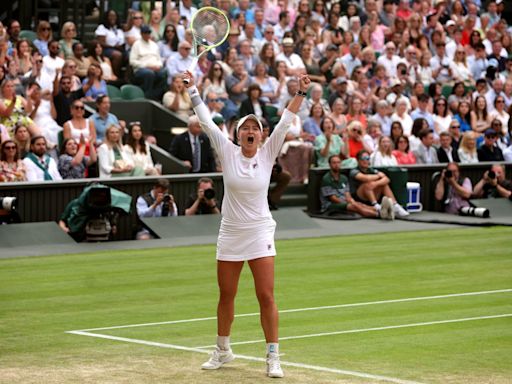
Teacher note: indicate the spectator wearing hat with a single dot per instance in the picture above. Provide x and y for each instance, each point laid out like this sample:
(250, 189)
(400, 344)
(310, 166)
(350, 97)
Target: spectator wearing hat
(293, 61)
(489, 151)
(147, 65)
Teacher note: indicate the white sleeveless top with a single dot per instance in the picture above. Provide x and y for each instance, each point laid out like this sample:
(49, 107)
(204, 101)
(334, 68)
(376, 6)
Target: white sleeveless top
(76, 132)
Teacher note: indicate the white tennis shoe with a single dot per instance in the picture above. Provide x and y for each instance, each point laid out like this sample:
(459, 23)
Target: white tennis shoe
(387, 211)
(218, 358)
(274, 366)
(400, 211)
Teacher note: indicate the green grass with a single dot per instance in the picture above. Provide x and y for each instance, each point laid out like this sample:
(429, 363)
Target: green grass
(42, 297)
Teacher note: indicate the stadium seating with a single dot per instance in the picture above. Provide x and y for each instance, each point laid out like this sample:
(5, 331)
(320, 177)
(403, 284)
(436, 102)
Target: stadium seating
(29, 35)
(131, 92)
(114, 93)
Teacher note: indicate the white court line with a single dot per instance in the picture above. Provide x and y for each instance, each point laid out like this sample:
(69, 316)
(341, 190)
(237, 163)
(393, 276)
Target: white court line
(411, 325)
(249, 358)
(311, 309)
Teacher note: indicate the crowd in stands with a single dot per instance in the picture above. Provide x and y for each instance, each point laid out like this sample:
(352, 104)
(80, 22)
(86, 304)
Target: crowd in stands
(407, 81)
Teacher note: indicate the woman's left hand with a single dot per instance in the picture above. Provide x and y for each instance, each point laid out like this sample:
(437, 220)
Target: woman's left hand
(304, 82)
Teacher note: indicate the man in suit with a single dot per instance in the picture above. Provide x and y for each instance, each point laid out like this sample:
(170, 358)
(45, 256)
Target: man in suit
(426, 154)
(446, 153)
(194, 148)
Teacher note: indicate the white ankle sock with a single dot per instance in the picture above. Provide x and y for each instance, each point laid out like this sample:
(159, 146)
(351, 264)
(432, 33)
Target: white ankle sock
(273, 348)
(223, 342)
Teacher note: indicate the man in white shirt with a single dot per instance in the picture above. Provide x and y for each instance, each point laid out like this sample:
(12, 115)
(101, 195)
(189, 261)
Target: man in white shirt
(147, 65)
(39, 165)
(52, 62)
(38, 75)
(390, 60)
(283, 25)
(187, 10)
(352, 59)
(294, 62)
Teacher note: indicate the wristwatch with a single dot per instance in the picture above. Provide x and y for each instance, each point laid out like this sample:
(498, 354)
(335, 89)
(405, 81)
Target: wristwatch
(301, 93)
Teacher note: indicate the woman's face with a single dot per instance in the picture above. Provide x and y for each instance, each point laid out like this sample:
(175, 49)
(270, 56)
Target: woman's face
(8, 89)
(480, 103)
(470, 142)
(396, 129)
(24, 47)
(317, 110)
(463, 108)
(255, 94)
(70, 31)
(328, 125)
(260, 69)
(500, 104)
(402, 144)
(22, 134)
(113, 135)
(338, 106)
(78, 109)
(441, 106)
(356, 105)
(306, 50)
(98, 50)
(385, 143)
(178, 83)
(136, 132)
(249, 135)
(71, 147)
(170, 32)
(112, 18)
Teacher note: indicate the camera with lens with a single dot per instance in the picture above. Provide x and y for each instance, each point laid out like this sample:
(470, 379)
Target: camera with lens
(209, 193)
(448, 174)
(167, 198)
(491, 175)
(474, 211)
(8, 203)
(403, 71)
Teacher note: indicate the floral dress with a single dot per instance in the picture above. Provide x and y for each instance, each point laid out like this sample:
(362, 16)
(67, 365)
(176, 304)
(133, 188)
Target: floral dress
(10, 172)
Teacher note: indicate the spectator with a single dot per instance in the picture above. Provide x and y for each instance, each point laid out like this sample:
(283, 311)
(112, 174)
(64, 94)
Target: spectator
(37, 74)
(68, 34)
(63, 97)
(238, 82)
(215, 82)
(102, 118)
(193, 148)
(355, 140)
(23, 56)
(338, 115)
(14, 109)
(463, 116)
(112, 159)
(402, 116)
(133, 29)
(44, 36)
(95, 52)
(203, 201)
(111, 38)
(493, 184)
(499, 112)
(382, 116)
(390, 59)
(440, 64)
(442, 116)
(72, 162)
(446, 153)
(328, 143)
(383, 156)
(177, 99)
(95, 79)
(38, 164)
(467, 148)
(314, 120)
(169, 43)
(147, 65)
(268, 84)
(423, 112)
(460, 69)
(43, 113)
(181, 61)
(137, 150)
(368, 186)
(79, 126)
(355, 112)
(156, 203)
(12, 167)
(335, 193)
(396, 131)
(254, 103)
(22, 140)
(293, 61)
(480, 119)
(82, 63)
(453, 191)
(402, 152)
(489, 151)
(13, 32)
(426, 153)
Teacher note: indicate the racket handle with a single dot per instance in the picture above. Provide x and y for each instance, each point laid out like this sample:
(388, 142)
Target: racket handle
(191, 69)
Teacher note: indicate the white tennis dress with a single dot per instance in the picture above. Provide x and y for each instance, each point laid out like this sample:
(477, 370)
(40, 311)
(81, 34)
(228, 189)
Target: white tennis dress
(247, 227)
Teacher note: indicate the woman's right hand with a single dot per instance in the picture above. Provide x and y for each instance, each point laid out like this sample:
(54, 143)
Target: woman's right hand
(188, 79)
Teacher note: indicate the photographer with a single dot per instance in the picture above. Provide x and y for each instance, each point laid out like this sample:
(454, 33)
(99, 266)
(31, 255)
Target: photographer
(156, 203)
(494, 184)
(203, 202)
(453, 191)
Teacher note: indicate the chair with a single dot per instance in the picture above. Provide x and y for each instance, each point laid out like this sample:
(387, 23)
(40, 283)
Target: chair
(131, 92)
(28, 34)
(447, 90)
(113, 92)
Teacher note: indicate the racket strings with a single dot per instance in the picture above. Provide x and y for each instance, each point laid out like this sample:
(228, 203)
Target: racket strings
(209, 27)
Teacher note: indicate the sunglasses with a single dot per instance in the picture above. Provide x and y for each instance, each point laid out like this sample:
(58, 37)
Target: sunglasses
(10, 147)
(214, 100)
(455, 126)
(46, 29)
(78, 107)
(137, 17)
(366, 158)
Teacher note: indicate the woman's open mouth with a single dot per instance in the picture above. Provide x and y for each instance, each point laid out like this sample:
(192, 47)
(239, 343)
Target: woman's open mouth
(250, 139)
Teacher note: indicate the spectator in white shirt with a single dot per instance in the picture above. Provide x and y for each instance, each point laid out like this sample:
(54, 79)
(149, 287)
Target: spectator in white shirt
(293, 61)
(147, 65)
(39, 165)
(180, 62)
(390, 60)
(53, 62)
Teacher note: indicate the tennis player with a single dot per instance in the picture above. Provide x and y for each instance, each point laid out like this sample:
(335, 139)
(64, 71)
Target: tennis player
(247, 229)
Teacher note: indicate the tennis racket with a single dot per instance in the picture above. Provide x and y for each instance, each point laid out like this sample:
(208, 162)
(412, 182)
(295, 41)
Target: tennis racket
(210, 28)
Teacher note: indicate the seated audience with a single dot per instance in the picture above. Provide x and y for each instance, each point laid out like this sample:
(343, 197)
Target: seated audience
(177, 99)
(369, 186)
(453, 191)
(467, 149)
(98, 85)
(12, 167)
(72, 162)
(43, 113)
(426, 154)
(22, 140)
(137, 150)
(446, 153)
(63, 97)
(328, 144)
(82, 63)
(402, 153)
(335, 193)
(383, 156)
(489, 151)
(112, 159)
(78, 126)
(203, 202)
(102, 118)
(39, 165)
(14, 109)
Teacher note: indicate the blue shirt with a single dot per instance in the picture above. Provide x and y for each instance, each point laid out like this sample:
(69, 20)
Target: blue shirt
(417, 113)
(95, 92)
(102, 124)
